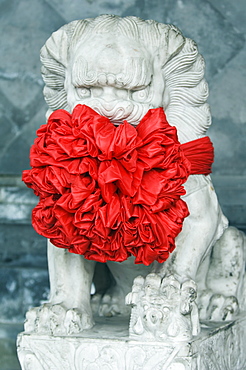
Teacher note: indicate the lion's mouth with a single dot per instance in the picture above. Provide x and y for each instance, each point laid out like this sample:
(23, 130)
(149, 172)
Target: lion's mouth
(118, 111)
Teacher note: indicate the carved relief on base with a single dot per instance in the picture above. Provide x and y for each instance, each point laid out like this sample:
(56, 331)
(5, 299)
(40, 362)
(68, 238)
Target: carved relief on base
(97, 355)
(218, 348)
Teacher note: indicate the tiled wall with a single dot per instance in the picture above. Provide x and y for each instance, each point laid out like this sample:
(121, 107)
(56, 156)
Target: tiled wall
(218, 26)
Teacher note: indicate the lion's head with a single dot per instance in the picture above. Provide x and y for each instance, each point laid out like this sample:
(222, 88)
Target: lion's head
(122, 67)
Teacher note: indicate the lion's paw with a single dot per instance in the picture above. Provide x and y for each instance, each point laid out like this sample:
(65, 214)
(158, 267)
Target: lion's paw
(75, 321)
(113, 303)
(217, 307)
(163, 308)
(56, 320)
(222, 308)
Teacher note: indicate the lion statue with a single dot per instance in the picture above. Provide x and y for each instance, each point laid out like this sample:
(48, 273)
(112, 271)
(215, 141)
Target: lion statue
(121, 68)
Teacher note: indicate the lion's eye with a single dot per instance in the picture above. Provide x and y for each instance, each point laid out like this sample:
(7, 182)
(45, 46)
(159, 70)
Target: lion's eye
(140, 95)
(83, 92)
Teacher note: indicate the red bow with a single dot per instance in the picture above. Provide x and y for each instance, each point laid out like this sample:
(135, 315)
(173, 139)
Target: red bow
(109, 192)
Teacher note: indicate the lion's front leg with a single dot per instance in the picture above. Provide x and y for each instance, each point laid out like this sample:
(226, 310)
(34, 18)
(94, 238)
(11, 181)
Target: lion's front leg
(164, 304)
(201, 229)
(206, 223)
(68, 310)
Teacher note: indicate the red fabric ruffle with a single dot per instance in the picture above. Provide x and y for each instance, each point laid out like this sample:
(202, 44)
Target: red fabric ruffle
(200, 153)
(109, 192)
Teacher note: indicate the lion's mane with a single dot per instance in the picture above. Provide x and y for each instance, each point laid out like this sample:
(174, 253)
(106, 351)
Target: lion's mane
(186, 91)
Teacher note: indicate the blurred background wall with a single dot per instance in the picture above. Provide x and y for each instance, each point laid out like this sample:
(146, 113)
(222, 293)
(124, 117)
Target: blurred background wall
(218, 26)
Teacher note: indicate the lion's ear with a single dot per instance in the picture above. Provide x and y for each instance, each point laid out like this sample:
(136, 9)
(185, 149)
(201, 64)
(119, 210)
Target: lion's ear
(175, 42)
(54, 59)
(55, 48)
(172, 43)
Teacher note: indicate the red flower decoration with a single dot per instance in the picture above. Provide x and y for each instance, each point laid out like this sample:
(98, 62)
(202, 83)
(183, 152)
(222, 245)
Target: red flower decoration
(109, 192)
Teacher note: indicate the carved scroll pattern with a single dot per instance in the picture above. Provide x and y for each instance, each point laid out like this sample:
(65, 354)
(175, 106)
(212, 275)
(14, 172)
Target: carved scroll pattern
(221, 351)
(225, 350)
(45, 353)
(51, 356)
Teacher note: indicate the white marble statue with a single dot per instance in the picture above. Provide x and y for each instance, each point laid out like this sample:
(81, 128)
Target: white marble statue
(122, 67)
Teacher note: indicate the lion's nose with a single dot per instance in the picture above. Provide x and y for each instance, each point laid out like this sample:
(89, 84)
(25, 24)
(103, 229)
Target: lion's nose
(109, 94)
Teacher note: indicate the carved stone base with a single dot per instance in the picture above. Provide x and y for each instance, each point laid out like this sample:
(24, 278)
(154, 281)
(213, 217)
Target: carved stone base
(107, 346)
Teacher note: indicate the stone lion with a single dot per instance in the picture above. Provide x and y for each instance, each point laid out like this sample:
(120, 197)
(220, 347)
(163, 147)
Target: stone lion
(122, 67)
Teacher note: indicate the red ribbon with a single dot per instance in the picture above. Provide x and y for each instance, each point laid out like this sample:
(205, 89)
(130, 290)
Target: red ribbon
(109, 192)
(200, 153)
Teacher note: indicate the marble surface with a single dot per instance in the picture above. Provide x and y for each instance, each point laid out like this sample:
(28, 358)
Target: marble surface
(218, 346)
(147, 66)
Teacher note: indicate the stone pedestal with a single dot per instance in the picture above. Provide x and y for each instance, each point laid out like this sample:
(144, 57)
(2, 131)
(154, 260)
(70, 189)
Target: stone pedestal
(108, 346)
